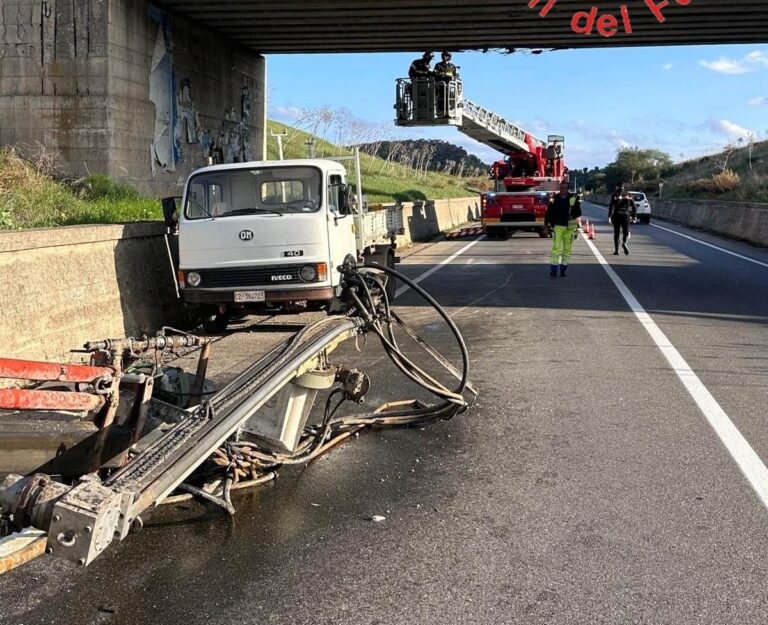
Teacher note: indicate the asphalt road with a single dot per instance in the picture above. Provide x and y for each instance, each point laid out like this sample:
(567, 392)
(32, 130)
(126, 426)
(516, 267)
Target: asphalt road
(585, 486)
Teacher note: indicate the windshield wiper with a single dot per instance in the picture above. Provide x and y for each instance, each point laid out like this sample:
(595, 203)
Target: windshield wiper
(246, 211)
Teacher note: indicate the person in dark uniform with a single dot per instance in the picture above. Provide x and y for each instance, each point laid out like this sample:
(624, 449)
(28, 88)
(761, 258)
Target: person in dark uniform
(445, 72)
(621, 210)
(421, 68)
(564, 217)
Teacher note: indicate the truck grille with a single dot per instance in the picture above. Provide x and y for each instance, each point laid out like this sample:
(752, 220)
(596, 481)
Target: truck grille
(250, 276)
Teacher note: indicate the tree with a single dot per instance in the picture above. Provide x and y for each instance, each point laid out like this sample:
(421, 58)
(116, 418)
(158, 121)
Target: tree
(636, 164)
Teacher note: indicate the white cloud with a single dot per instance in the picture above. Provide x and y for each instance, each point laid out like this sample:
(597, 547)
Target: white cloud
(758, 57)
(540, 125)
(724, 65)
(286, 113)
(759, 101)
(728, 129)
(667, 66)
(750, 63)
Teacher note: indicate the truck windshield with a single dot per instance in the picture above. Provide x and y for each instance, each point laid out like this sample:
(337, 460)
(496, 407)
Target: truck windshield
(265, 191)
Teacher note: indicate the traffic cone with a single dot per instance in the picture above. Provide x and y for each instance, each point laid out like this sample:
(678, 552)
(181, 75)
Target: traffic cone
(592, 232)
(585, 227)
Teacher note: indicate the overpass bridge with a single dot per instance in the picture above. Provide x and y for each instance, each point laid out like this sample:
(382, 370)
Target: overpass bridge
(301, 26)
(147, 92)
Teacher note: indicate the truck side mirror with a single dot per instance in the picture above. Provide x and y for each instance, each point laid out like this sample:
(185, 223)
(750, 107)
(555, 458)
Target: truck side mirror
(170, 212)
(344, 208)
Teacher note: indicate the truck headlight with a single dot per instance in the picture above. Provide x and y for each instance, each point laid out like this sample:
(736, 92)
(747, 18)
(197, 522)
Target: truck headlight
(193, 278)
(308, 273)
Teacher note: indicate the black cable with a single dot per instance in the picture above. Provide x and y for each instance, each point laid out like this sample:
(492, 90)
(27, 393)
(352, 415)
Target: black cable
(449, 322)
(199, 492)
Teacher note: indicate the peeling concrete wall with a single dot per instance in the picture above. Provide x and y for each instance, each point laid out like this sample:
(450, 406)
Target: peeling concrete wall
(75, 77)
(53, 79)
(209, 76)
(61, 287)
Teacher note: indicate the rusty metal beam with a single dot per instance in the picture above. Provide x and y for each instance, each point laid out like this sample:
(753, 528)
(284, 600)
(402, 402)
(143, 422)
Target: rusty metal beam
(51, 371)
(26, 399)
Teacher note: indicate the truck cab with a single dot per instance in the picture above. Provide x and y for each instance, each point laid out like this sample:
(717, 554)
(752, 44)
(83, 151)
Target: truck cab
(262, 236)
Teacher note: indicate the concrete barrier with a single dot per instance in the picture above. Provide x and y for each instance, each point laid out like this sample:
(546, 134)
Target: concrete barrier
(425, 219)
(60, 287)
(746, 221)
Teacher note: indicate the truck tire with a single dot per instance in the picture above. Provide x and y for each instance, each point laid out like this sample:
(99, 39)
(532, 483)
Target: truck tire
(544, 233)
(216, 323)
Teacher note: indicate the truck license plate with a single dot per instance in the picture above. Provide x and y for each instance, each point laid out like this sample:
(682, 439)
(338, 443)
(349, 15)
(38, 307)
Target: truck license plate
(517, 205)
(249, 296)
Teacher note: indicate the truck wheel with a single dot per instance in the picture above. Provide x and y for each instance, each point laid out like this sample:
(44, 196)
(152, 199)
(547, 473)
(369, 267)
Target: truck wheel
(216, 323)
(544, 233)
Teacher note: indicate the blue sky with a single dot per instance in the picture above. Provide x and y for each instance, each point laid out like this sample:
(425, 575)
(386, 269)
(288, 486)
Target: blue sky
(687, 101)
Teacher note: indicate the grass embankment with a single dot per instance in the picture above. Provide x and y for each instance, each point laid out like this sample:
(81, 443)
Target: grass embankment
(32, 197)
(725, 176)
(382, 181)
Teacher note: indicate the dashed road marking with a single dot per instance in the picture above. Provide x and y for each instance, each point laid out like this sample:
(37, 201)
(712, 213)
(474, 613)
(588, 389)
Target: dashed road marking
(439, 266)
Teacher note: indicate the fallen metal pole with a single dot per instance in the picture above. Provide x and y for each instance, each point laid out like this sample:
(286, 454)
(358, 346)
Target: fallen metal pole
(84, 519)
(164, 465)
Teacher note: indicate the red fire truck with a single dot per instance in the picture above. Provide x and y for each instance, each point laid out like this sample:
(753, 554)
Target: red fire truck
(523, 182)
(531, 170)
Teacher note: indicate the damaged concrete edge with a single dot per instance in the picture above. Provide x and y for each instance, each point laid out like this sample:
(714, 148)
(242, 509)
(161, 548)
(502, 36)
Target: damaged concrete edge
(77, 235)
(21, 547)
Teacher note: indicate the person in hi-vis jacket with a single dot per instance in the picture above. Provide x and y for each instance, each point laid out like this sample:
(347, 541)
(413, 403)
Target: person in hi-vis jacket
(564, 217)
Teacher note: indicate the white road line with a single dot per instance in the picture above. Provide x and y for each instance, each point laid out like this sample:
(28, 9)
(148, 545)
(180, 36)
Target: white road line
(699, 241)
(439, 266)
(714, 247)
(742, 453)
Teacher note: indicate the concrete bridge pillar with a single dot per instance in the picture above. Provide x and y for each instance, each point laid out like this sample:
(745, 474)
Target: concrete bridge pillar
(124, 88)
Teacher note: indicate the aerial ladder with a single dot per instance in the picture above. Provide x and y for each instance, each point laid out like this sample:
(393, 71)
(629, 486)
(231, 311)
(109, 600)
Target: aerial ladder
(530, 170)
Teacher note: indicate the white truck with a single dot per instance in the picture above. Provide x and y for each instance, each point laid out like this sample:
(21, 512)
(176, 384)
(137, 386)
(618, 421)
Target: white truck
(269, 235)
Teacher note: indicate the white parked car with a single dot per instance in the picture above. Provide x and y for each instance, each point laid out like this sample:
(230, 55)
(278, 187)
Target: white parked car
(643, 207)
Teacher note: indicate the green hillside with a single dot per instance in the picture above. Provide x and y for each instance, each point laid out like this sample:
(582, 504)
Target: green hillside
(382, 181)
(734, 175)
(33, 195)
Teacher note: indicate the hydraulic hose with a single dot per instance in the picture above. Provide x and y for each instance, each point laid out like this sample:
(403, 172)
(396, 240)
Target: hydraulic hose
(441, 311)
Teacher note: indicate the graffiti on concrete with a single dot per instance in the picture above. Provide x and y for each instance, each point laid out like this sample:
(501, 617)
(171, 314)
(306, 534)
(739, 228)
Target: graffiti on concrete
(162, 93)
(177, 120)
(189, 121)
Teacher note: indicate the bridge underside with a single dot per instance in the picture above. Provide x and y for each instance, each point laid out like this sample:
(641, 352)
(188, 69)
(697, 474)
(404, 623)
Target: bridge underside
(302, 26)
